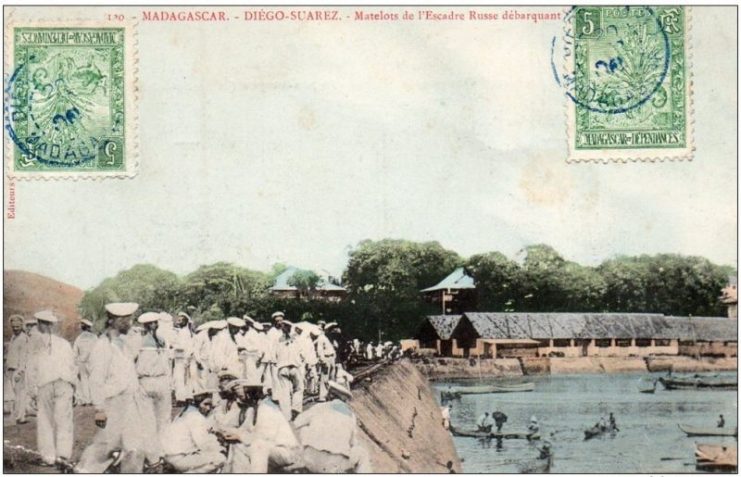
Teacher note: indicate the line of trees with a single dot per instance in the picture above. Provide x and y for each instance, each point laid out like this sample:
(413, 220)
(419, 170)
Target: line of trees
(384, 279)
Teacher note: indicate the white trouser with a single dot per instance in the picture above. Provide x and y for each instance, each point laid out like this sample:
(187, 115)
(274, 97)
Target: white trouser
(252, 371)
(20, 404)
(263, 454)
(312, 380)
(131, 429)
(182, 379)
(82, 391)
(326, 370)
(54, 421)
(157, 389)
(199, 462)
(290, 390)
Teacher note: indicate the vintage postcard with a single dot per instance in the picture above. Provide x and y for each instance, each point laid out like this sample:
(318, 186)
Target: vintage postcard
(370, 239)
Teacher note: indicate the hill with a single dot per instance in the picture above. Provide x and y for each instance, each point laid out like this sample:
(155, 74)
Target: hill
(26, 293)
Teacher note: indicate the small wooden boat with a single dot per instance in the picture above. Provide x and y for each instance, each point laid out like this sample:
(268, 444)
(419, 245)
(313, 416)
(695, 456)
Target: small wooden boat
(598, 430)
(494, 388)
(647, 387)
(536, 466)
(493, 434)
(716, 457)
(693, 431)
(673, 383)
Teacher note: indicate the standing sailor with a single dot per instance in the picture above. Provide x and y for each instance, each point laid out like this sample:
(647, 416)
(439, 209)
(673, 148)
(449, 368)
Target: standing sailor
(183, 363)
(291, 379)
(270, 379)
(254, 343)
(325, 353)
(123, 413)
(55, 374)
(83, 345)
(32, 331)
(15, 370)
(153, 369)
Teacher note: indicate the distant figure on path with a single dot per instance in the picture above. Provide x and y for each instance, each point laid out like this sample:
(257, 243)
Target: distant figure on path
(533, 427)
(499, 418)
(613, 423)
(484, 423)
(721, 421)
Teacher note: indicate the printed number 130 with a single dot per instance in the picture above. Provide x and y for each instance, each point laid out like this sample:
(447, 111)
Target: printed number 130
(115, 17)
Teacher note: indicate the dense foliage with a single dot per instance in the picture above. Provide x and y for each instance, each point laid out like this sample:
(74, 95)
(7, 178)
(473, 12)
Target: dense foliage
(384, 279)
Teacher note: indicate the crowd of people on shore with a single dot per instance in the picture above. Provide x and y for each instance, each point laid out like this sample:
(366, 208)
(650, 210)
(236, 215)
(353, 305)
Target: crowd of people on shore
(239, 386)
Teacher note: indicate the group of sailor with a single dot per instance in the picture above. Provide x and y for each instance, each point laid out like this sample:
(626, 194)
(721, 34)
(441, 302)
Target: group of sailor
(241, 384)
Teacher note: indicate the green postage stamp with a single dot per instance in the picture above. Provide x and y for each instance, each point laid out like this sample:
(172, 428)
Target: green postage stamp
(69, 101)
(628, 83)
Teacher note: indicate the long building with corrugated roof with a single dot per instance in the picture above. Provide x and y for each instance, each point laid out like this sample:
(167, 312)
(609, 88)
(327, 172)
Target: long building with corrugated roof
(577, 334)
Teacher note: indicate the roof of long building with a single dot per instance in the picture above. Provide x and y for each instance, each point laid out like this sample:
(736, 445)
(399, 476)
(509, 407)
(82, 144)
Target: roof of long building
(444, 324)
(595, 326)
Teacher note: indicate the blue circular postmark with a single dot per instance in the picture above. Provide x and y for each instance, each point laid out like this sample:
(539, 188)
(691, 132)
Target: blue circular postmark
(50, 112)
(612, 61)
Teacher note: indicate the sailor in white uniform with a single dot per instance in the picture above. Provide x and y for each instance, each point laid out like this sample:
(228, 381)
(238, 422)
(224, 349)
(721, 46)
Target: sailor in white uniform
(54, 374)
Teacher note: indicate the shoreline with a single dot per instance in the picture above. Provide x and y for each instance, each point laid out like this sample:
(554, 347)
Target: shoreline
(436, 369)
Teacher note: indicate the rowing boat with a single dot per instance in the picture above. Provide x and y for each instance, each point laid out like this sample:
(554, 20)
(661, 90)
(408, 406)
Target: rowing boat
(647, 387)
(693, 431)
(697, 383)
(536, 466)
(598, 430)
(493, 435)
(495, 388)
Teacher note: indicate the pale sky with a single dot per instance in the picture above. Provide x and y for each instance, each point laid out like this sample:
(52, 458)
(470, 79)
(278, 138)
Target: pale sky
(265, 142)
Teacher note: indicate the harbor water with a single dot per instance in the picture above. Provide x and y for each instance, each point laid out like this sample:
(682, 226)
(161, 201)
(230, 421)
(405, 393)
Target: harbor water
(649, 440)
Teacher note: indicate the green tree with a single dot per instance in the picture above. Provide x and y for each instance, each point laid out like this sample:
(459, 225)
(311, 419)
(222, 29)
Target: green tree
(385, 278)
(499, 281)
(229, 287)
(305, 281)
(151, 287)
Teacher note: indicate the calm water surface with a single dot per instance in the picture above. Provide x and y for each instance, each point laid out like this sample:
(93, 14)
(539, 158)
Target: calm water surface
(648, 442)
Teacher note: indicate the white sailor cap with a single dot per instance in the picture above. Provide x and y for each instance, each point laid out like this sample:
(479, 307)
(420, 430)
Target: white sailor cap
(218, 324)
(31, 320)
(122, 309)
(309, 327)
(286, 322)
(226, 374)
(278, 314)
(330, 325)
(204, 326)
(47, 316)
(86, 322)
(17, 319)
(533, 419)
(185, 315)
(149, 317)
(247, 318)
(257, 326)
(234, 321)
(165, 316)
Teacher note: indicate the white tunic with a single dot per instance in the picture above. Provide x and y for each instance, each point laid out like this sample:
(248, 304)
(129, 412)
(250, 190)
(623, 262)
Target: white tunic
(53, 360)
(188, 433)
(112, 370)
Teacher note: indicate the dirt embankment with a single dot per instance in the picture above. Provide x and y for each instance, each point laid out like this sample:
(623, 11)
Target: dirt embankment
(459, 368)
(401, 422)
(26, 293)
